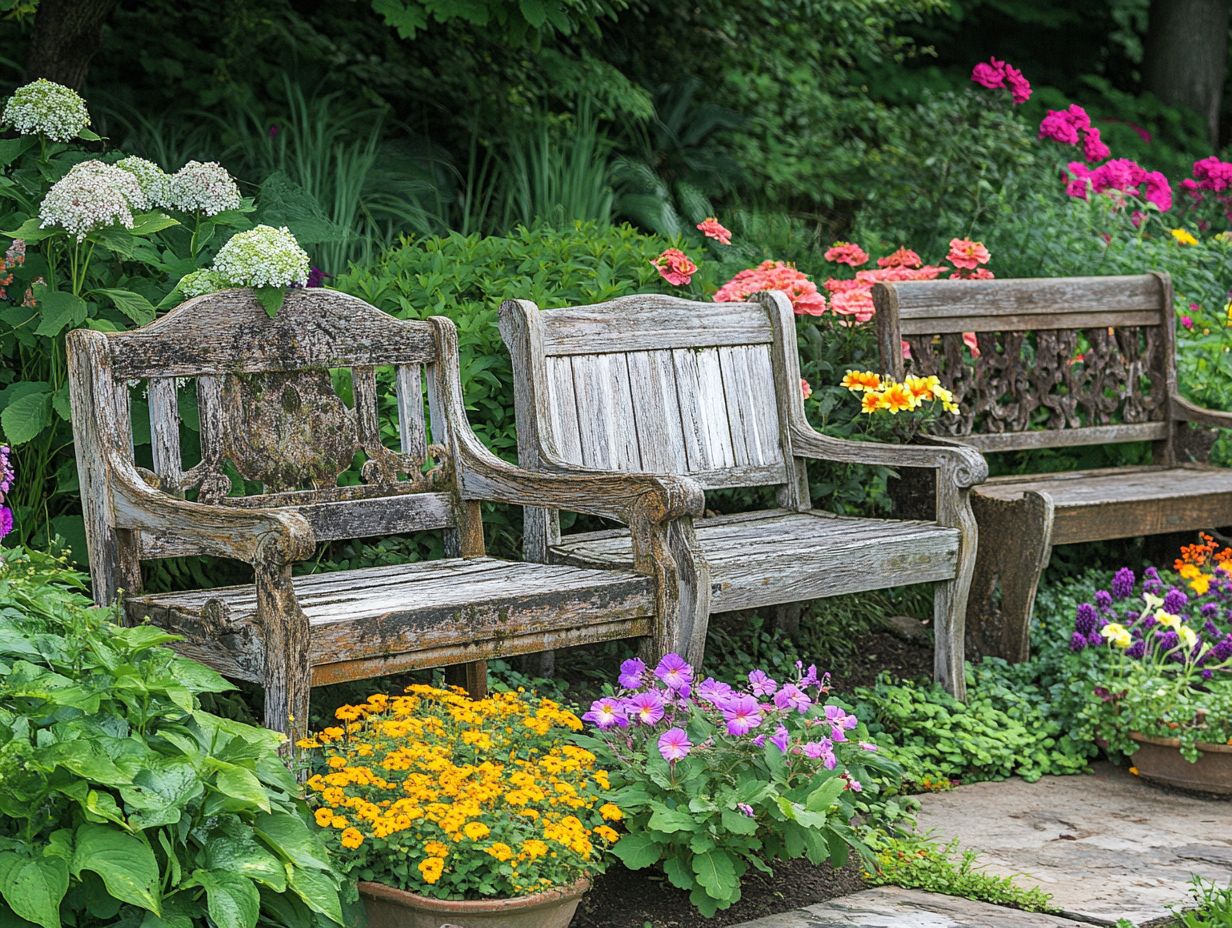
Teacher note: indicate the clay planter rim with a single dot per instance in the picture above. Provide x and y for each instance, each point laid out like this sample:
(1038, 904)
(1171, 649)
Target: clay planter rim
(478, 906)
(1204, 747)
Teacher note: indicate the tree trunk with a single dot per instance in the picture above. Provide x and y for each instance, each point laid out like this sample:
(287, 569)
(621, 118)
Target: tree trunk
(1186, 56)
(67, 33)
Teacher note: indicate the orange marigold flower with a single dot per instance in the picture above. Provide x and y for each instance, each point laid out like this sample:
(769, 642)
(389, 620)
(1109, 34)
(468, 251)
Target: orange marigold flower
(611, 812)
(351, 838)
(857, 381)
(431, 868)
(870, 402)
(323, 816)
(895, 398)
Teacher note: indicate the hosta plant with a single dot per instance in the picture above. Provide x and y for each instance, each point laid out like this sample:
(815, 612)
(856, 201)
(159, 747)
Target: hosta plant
(122, 802)
(713, 779)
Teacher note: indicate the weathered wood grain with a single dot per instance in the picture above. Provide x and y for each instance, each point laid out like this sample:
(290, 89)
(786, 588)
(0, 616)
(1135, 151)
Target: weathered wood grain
(650, 322)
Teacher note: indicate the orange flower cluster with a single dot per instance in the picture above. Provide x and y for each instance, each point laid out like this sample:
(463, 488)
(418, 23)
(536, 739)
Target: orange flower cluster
(413, 783)
(1194, 560)
(884, 394)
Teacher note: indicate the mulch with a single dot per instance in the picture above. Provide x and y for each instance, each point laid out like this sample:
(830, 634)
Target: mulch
(640, 898)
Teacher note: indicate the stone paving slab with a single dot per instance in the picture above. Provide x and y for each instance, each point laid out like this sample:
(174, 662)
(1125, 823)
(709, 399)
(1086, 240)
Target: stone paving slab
(1106, 846)
(891, 907)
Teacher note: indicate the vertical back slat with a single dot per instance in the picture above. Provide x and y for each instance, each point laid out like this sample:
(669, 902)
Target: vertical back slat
(408, 385)
(703, 409)
(751, 412)
(562, 398)
(660, 437)
(363, 389)
(622, 427)
(162, 398)
(592, 382)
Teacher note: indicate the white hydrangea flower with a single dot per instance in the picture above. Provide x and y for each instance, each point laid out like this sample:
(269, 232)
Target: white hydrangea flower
(92, 195)
(44, 107)
(201, 282)
(262, 257)
(204, 187)
(154, 182)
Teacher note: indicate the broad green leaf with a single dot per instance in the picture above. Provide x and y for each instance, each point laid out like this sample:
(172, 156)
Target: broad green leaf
(149, 223)
(271, 298)
(12, 149)
(241, 784)
(318, 891)
(244, 856)
(738, 823)
(60, 309)
(289, 837)
(232, 900)
(820, 799)
(671, 820)
(123, 861)
(716, 872)
(89, 135)
(131, 304)
(34, 886)
(31, 231)
(678, 873)
(637, 851)
(25, 417)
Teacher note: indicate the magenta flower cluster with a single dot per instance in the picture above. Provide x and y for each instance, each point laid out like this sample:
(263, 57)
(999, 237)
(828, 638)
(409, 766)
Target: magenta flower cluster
(793, 716)
(7, 476)
(996, 75)
(1069, 126)
(1120, 176)
(1211, 180)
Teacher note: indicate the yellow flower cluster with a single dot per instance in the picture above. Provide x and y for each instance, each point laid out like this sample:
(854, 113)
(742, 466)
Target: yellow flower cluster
(889, 395)
(431, 777)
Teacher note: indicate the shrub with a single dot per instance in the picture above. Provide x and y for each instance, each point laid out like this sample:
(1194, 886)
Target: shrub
(714, 779)
(122, 802)
(456, 798)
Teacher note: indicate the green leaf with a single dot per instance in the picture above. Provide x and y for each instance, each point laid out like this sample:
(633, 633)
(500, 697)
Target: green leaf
(131, 304)
(244, 856)
(671, 820)
(318, 891)
(31, 231)
(637, 851)
(678, 873)
(716, 872)
(25, 417)
(125, 863)
(241, 784)
(149, 223)
(290, 838)
(231, 900)
(12, 149)
(820, 799)
(89, 135)
(738, 823)
(271, 298)
(34, 886)
(59, 309)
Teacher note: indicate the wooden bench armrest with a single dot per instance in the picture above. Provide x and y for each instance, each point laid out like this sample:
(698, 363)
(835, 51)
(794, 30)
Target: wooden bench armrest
(964, 465)
(1186, 411)
(268, 537)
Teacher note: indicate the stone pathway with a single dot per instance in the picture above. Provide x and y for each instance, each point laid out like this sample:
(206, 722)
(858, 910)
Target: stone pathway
(1106, 847)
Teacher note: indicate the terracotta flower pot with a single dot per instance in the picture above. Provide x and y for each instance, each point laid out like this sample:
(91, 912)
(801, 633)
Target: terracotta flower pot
(1159, 760)
(396, 908)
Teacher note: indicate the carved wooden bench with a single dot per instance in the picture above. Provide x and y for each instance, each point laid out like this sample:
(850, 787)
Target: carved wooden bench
(1062, 363)
(269, 413)
(653, 384)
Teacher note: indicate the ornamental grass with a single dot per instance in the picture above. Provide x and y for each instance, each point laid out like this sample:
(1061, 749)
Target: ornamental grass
(455, 798)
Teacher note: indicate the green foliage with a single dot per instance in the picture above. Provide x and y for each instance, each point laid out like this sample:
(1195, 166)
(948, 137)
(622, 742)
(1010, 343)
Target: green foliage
(517, 21)
(122, 802)
(1007, 727)
(1212, 907)
(915, 862)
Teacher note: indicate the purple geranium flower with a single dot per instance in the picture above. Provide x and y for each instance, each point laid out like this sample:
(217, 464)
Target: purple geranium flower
(7, 474)
(675, 673)
(6, 521)
(792, 697)
(606, 713)
(809, 677)
(742, 714)
(761, 684)
(646, 708)
(713, 691)
(631, 672)
(745, 809)
(780, 738)
(674, 745)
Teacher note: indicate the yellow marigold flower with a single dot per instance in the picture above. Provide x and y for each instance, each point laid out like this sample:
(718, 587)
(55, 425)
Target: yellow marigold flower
(351, 838)
(611, 812)
(307, 743)
(870, 402)
(323, 816)
(476, 830)
(431, 868)
(861, 381)
(436, 849)
(922, 388)
(337, 762)
(500, 851)
(1184, 237)
(339, 822)
(895, 398)
(348, 713)
(607, 834)
(333, 796)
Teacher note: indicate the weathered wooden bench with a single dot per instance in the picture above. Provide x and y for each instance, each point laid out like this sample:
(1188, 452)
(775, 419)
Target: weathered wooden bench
(1062, 363)
(660, 385)
(269, 413)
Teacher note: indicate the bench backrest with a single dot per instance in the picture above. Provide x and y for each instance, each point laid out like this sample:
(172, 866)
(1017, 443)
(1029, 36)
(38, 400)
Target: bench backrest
(655, 384)
(1059, 361)
(268, 409)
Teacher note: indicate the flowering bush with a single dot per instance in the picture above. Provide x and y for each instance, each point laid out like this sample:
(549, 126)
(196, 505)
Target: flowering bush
(1163, 655)
(774, 275)
(7, 476)
(456, 798)
(675, 267)
(92, 196)
(203, 188)
(714, 778)
(47, 109)
(266, 259)
(995, 75)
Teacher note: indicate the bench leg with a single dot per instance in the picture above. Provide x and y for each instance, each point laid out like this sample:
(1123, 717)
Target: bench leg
(472, 677)
(785, 618)
(950, 597)
(1015, 546)
(288, 670)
